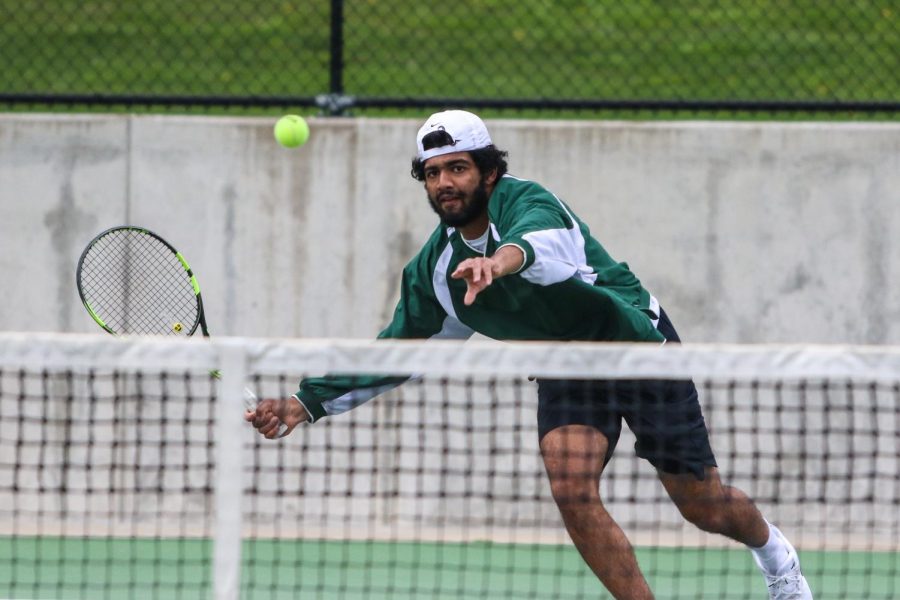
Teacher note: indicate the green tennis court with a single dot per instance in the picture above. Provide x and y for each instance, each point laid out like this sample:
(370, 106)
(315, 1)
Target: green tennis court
(32, 567)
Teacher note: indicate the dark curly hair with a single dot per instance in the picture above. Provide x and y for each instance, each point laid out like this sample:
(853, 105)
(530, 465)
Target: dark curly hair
(487, 159)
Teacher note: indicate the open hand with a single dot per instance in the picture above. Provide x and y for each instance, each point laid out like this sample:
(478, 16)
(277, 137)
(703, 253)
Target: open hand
(478, 273)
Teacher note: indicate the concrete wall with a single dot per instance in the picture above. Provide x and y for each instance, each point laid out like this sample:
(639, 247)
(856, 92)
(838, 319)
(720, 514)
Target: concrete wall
(747, 232)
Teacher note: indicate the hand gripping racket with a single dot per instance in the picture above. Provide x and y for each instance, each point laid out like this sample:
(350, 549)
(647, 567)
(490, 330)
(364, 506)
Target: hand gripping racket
(132, 281)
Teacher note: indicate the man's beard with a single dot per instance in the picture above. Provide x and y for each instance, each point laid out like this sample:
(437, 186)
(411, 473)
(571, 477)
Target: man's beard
(470, 211)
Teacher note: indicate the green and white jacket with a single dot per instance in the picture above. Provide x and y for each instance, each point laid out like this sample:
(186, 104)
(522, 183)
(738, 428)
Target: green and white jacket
(564, 267)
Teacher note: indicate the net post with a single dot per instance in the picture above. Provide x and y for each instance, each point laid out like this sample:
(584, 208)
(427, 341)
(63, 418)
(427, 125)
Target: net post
(229, 483)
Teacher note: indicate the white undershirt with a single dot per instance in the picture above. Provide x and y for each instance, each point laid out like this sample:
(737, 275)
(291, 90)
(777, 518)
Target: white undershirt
(479, 244)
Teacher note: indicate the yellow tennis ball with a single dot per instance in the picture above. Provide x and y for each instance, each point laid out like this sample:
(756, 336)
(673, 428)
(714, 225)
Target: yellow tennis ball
(291, 131)
(177, 327)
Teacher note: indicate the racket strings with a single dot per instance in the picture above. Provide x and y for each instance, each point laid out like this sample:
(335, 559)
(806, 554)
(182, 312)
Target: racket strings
(137, 285)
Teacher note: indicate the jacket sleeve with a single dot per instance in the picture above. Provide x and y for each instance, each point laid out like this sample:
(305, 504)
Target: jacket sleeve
(418, 315)
(551, 239)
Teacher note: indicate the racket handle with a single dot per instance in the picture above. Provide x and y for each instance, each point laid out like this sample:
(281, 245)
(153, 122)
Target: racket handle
(251, 402)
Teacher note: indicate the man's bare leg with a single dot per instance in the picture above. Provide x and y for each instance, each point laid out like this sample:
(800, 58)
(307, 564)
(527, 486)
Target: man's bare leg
(717, 508)
(726, 510)
(573, 456)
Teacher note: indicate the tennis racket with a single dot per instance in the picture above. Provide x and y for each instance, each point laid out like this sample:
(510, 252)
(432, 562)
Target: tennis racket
(132, 281)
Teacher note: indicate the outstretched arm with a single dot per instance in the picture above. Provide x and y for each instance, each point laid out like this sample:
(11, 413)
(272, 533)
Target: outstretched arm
(418, 315)
(481, 272)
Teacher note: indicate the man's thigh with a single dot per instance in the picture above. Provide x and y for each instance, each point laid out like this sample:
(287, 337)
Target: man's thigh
(566, 402)
(669, 427)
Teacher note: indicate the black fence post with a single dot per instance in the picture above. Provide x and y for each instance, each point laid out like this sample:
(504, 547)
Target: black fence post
(336, 102)
(337, 47)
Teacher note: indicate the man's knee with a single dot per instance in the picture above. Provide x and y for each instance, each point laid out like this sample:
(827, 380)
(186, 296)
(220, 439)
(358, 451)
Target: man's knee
(714, 513)
(702, 503)
(707, 515)
(574, 456)
(572, 491)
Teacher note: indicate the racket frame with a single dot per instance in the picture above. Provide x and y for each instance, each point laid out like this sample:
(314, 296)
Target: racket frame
(200, 321)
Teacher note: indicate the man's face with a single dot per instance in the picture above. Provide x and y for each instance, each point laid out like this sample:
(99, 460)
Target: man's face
(456, 190)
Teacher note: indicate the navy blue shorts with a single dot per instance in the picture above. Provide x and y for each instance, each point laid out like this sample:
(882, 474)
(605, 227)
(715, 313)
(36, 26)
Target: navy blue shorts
(664, 415)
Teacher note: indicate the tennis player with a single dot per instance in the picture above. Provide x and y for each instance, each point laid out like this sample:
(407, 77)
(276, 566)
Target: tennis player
(511, 261)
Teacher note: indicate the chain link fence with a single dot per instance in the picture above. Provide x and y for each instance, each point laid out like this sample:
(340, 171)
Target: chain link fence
(364, 56)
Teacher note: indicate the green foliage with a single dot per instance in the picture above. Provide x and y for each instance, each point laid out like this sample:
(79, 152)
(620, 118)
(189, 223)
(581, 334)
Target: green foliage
(749, 50)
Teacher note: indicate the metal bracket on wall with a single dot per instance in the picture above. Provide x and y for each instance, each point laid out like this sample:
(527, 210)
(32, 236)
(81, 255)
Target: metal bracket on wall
(335, 104)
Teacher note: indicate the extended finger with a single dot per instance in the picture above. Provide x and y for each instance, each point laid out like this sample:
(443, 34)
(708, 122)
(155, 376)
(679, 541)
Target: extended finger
(462, 269)
(476, 272)
(471, 293)
(488, 275)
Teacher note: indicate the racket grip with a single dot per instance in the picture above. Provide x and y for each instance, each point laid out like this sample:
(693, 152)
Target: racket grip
(251, 402)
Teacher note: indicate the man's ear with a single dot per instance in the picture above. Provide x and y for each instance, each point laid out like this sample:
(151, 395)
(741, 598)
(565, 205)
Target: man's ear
(491, 178)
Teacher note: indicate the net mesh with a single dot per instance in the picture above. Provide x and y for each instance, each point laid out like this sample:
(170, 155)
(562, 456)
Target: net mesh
(121, 457)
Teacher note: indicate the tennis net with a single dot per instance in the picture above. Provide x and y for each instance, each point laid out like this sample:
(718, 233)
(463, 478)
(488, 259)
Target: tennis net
(127, 471)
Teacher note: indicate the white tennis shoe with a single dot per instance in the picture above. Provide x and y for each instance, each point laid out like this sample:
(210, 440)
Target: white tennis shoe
(791, 584)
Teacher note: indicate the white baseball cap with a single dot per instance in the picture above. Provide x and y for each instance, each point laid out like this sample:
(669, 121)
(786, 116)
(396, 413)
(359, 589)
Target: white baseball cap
(467, 130)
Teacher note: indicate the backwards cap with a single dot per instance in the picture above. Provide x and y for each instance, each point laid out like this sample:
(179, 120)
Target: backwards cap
(466, 129)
